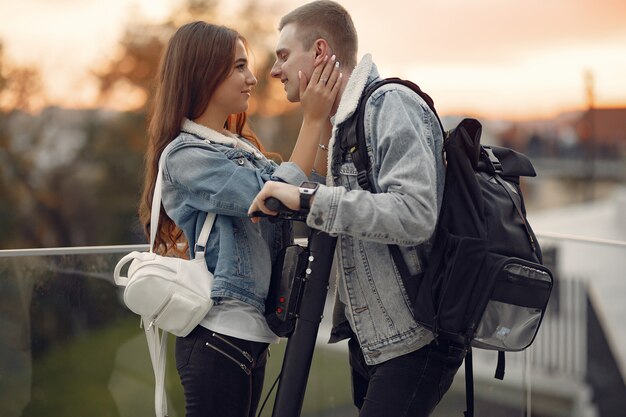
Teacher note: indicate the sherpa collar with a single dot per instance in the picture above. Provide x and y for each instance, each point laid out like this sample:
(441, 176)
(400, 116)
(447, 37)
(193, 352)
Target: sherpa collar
(217, 137)
(363, 73)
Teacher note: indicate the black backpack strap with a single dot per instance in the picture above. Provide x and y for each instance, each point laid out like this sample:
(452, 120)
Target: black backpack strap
(356, 143)
(469, 385)
(495, 165)
(469, 380)
(500, 366)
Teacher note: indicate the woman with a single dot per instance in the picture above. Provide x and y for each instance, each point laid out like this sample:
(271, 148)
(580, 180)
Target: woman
(213, 163)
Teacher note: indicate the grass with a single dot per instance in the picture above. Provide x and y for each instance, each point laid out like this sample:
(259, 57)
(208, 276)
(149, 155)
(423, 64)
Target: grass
(107, 373)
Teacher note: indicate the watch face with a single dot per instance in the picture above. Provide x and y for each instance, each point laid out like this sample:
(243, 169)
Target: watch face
(309, 184)
(307, 189)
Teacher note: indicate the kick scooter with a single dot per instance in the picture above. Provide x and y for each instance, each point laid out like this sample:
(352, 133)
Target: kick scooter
(307, 315)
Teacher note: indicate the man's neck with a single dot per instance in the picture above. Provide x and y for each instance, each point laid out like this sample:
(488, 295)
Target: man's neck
(342, 87)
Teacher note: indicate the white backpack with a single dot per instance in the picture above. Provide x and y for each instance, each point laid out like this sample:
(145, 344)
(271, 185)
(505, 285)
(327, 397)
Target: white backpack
(170, 294)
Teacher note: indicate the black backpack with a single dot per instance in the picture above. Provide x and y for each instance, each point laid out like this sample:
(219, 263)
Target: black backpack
(484, 284)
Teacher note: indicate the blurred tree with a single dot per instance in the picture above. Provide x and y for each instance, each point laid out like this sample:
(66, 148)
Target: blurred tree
(3, 80)
(137, 59)
(73, 177)
(20, 86)
(126, 79)
(28, 206)
(56, 169)
(133, 69)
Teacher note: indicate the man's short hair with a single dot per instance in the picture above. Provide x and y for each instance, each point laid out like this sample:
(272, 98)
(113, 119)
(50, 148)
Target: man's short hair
(327, 20)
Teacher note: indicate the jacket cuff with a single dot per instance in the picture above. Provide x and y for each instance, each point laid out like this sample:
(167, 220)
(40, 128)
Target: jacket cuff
(316, 177)
(323, 211)
(290, 173)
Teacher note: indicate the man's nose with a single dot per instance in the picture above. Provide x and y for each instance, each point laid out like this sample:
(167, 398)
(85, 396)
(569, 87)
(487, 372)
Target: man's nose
(275, 71)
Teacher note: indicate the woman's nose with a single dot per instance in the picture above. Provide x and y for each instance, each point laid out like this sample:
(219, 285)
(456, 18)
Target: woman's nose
(252, 79)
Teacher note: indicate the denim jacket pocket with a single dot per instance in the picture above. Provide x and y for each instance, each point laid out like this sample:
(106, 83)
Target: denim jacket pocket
(348, 176)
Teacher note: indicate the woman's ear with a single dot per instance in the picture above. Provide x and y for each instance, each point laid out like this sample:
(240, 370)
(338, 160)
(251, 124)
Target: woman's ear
(321, 50)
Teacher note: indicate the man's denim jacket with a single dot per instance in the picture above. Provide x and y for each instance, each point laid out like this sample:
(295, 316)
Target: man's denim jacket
(205, 171)
(405, 149)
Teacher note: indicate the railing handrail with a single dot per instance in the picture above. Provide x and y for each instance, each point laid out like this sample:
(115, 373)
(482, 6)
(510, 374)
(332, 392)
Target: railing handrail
(87, 250)
(71, 250)
(583, 239)
(84, 250)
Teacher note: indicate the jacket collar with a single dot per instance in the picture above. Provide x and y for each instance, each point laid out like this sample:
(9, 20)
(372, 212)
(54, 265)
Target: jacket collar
(214, 136)
(364, 73)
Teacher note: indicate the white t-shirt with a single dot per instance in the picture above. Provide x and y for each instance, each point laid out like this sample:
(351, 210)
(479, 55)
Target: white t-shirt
(232, 317)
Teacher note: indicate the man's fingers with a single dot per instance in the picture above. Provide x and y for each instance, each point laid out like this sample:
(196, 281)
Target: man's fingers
(258, 204)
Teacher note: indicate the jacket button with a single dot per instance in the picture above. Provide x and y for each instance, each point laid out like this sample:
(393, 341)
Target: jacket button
(240, 161)
(374, 353)
(318, 221)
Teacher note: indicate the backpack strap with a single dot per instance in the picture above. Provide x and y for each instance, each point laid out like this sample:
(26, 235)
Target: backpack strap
(157, 338)
(355, 139)
(520, 213)
(469, 379)
(356, 143)
(469, 384)
(496, 168)
(157, 345)
(500, 366)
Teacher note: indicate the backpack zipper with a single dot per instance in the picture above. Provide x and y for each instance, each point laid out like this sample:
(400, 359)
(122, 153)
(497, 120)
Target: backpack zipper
(157, 314)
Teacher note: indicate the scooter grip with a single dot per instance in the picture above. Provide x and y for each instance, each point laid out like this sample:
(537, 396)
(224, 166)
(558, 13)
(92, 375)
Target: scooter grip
(275, 204)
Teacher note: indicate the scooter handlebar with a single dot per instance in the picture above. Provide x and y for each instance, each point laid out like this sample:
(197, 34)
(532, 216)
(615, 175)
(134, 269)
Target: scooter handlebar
(275, 204)
(284, 212)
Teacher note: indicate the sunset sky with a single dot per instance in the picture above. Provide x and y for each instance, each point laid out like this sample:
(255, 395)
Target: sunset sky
(498, 58)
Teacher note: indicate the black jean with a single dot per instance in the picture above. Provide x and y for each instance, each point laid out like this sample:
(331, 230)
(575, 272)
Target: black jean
(409, 385)
(221, 375)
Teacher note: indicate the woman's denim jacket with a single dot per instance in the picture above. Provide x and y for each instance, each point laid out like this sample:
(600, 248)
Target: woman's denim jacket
(405, 148)
(205, 171)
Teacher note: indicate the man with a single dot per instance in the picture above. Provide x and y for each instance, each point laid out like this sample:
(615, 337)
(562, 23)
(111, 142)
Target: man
(396, 370)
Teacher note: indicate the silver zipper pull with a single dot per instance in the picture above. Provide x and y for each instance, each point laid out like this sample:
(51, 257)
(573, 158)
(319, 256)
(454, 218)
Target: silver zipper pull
(245, 368)
(247, 356)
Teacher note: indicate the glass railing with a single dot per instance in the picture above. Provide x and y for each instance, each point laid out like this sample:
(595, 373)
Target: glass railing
(69, 347)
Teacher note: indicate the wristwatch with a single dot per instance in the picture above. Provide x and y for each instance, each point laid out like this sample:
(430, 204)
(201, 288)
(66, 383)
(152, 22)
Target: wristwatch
(307, 191)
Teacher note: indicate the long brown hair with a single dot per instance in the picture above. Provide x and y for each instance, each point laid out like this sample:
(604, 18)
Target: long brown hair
(196, 60)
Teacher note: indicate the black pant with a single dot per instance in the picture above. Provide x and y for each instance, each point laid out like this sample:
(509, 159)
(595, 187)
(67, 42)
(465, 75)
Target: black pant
(221, 375)
(409, 385)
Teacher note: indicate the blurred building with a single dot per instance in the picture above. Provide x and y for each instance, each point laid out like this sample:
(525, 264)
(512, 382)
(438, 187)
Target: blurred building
(603, 130)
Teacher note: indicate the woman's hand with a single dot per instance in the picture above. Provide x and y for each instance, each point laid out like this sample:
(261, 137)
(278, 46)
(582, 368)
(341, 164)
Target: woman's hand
(317, 97)
(287, 194)
(318, 94)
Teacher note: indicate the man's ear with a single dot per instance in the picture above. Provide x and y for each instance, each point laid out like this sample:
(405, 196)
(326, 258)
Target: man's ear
(321, 50)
